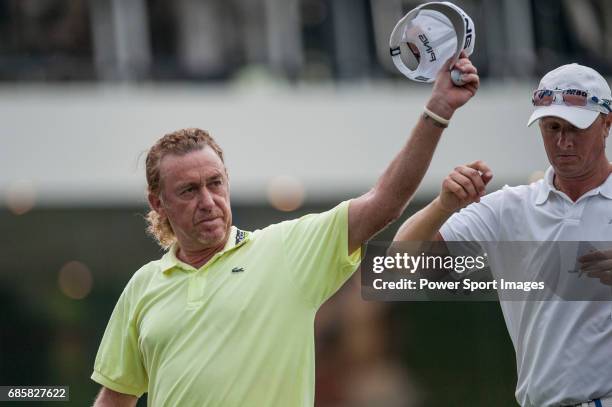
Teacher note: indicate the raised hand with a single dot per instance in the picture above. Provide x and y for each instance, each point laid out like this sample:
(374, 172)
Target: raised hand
(447, 97)
(464, 185)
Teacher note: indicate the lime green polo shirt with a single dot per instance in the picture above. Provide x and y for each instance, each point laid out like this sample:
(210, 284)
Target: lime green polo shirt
(239, 331)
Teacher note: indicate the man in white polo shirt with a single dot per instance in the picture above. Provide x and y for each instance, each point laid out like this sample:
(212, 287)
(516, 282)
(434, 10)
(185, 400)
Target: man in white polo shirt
(563, 348)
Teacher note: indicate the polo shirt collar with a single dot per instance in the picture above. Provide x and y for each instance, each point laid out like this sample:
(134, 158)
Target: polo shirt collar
(169, 260)
(547, 186)
(606, 188)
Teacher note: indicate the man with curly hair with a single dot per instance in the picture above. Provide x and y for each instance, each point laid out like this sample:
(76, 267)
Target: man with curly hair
(226, 317)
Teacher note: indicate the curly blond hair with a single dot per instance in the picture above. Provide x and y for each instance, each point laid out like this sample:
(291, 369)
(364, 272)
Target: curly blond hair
(179, 142)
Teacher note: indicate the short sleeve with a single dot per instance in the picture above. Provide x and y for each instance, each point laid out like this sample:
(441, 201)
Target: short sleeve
(316, 252)
(476, 222)
(119, 364)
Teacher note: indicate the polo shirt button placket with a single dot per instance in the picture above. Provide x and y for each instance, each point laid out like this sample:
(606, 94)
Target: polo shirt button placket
(195, 289)
(198, 282)
(572, 211)
(577, 209)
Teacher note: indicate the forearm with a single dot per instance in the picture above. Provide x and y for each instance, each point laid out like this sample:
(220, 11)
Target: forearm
(385, 202)
(423, 225)
(402, 177)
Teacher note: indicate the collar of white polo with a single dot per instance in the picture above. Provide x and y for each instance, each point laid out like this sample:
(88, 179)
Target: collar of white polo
(548, 187)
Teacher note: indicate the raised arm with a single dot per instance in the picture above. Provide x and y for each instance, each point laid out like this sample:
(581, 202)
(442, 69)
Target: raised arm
(111, 398)
(373, 211)
(463, 186)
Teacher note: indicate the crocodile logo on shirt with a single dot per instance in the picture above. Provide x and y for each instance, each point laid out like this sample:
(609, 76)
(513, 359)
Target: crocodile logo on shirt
(237, 269)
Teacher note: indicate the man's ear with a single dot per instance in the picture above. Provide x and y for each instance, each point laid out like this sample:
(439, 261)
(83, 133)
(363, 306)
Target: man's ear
(156, 203)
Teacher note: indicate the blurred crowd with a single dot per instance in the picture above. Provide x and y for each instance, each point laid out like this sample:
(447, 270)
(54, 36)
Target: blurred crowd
(320, 40)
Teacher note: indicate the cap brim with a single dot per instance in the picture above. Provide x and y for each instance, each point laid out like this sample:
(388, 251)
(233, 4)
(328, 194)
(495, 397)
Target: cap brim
(581, 118)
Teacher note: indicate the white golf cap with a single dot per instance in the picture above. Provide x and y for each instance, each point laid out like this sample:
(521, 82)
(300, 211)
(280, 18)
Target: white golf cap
(425, 38)
(578, 77)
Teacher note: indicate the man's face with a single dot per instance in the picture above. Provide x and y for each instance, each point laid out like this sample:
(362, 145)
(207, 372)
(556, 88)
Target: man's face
(195, 198)
(573, 152)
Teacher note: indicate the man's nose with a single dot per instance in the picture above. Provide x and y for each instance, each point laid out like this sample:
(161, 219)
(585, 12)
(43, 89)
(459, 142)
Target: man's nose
(205, 199)
(566, 139)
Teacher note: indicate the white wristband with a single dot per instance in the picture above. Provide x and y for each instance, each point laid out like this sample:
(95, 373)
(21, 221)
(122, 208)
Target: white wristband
(436, 117)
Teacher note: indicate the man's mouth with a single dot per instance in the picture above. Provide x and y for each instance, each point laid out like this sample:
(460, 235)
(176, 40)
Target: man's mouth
(206, 220)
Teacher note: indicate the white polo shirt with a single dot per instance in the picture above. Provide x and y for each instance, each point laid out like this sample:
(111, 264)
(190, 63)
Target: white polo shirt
(563, 348)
